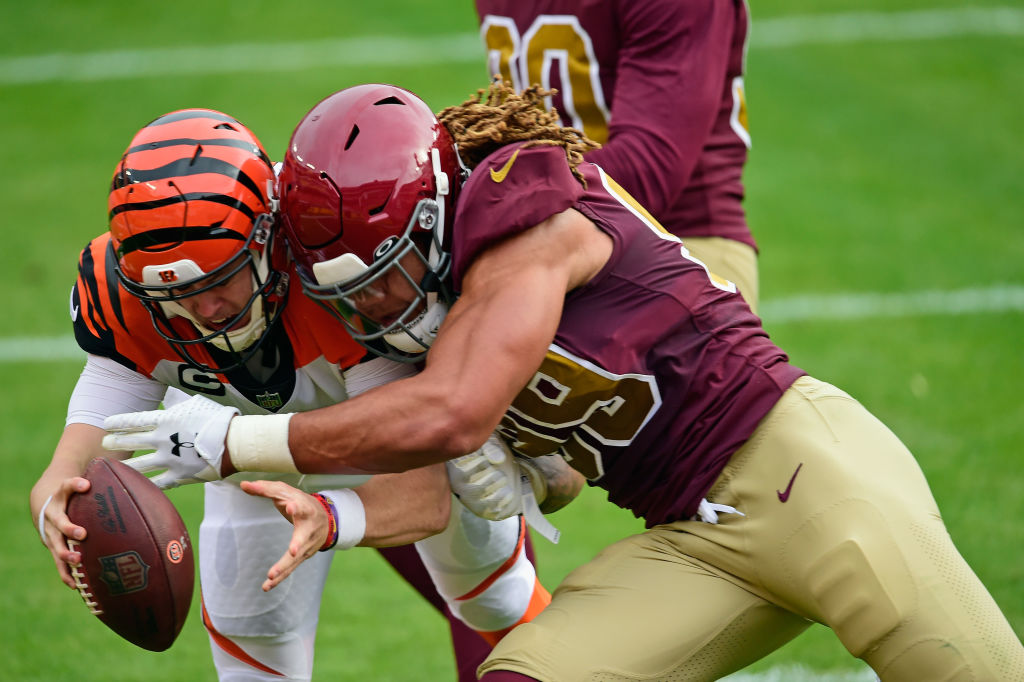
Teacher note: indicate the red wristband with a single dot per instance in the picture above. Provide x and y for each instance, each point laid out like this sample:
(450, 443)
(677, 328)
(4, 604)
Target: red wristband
(332, 522)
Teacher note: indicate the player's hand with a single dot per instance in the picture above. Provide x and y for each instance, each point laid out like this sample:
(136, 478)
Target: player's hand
(489, 481)
(188, 440)
(495, 484)
(55, 527)
(305, 513)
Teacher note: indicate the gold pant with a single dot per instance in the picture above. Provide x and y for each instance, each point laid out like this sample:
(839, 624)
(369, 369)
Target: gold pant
(840, 528)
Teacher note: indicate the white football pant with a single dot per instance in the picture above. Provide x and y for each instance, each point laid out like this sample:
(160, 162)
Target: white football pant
(479, 567)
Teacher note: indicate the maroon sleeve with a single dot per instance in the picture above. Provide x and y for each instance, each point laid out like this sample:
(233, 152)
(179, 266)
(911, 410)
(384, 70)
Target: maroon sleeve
(512, 190)
(668, 90)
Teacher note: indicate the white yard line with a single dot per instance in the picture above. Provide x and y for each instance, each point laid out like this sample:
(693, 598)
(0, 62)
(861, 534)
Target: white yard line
(994, 299)
(241, 58)
(1003, 298)
(858, 27)
(40, 348)
(777, 32)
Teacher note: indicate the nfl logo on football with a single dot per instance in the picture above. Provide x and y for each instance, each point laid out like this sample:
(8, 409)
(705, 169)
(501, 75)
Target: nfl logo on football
(124, 573)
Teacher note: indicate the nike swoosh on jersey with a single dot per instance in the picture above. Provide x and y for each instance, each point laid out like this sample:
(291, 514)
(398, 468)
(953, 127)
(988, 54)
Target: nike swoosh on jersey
(783, 496)
(74, 314)
(499, 176)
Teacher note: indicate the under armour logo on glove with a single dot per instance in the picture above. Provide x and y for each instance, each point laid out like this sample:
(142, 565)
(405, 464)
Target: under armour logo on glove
(176, 450)
(165, 431)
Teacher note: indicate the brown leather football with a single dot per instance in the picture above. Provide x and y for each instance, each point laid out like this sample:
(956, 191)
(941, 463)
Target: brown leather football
(137, 571)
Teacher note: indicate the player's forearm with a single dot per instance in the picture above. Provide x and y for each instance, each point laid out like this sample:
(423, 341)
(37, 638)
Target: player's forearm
(390, 429)
(668, 94)
(447, 410)
(386, 431)
(404, 508)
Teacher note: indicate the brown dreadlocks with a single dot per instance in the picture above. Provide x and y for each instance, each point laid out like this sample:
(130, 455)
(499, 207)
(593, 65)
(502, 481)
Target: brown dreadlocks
(499, 116)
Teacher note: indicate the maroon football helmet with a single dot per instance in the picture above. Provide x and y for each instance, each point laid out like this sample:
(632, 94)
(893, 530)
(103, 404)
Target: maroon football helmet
(369, 176)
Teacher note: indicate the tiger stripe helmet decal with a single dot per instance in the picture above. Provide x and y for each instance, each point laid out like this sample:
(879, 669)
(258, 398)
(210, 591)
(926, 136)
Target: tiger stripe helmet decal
(189, 175)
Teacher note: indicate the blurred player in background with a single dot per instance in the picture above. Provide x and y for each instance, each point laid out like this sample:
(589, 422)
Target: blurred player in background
(189, 292)
(660, 85)
(577, 325)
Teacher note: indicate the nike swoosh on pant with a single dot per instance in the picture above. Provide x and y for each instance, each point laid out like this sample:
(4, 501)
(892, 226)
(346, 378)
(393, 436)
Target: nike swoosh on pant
(783, 496)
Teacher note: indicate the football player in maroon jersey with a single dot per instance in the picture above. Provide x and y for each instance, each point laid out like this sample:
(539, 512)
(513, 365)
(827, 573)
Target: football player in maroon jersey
(551, 305)
(660, 85)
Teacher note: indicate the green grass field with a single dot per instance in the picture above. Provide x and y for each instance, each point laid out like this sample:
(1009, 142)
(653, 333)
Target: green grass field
(887, 166)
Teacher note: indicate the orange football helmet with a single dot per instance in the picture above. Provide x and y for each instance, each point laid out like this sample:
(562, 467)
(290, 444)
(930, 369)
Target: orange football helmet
(191, 206)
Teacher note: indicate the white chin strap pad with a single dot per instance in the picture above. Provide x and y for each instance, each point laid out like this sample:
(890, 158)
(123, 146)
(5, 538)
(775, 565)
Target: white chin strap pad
(419, 335)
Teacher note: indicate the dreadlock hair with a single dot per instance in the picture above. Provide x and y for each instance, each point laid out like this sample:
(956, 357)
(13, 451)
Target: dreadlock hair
(499, 116)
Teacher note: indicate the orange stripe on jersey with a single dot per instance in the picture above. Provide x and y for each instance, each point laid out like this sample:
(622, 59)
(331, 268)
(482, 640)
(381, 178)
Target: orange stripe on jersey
(231, 648)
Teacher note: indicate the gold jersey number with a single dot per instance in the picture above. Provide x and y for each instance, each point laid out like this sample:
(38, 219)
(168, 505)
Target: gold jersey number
(556, 41)
(552, 42)
(572, 407)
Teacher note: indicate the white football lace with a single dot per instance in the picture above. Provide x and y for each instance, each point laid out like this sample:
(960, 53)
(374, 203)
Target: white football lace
(708, 512)
(83, 588)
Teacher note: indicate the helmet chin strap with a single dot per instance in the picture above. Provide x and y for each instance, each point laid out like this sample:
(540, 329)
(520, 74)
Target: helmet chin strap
(441, 182)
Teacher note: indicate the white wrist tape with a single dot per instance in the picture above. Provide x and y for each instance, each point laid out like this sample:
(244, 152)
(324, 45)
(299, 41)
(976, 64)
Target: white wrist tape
(351, 516)
(42, 519)
(260, 443)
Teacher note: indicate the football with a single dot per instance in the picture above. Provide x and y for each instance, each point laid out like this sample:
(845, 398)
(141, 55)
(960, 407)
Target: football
(137, 570)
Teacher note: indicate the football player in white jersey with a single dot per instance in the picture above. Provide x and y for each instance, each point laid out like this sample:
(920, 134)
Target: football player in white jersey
(187, 294)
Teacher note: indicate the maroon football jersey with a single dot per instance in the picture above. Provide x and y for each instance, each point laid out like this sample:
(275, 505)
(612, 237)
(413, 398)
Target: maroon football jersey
(658, 372)
(661, 79)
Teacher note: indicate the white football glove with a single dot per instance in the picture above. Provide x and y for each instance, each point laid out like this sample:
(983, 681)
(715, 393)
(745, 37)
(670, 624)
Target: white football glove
(495, 484)
(188, 440)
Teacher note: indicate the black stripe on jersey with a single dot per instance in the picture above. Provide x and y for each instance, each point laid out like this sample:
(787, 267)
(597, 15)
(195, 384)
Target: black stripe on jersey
(189, 114)
(113, 283)
(215, 142)
(101, 342)
(166, 237)
(86, 268)
(191, 165)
